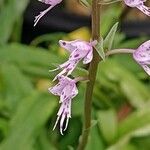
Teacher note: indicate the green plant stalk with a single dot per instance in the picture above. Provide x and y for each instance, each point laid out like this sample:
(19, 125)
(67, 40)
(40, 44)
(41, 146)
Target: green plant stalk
(120, 51)
(92, 76)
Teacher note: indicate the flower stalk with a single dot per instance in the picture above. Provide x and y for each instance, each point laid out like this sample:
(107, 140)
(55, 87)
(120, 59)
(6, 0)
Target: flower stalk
(120, 51)
(92, 76)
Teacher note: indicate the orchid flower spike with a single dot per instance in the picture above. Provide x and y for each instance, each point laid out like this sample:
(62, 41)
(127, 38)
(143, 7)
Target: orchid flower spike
(79, 50)
(138, 4)
(142, 56)
(67, 90)
(52, 4)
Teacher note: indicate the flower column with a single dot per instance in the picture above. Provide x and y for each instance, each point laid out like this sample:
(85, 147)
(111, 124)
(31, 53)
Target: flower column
(92, 76)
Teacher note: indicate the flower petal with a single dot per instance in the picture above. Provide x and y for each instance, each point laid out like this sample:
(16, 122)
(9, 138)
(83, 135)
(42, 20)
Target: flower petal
(58, 88)
(144, 9)
(134, 3)
(147, 69)
(88, 58)
(142, 54)
(66, 89)
(42, 13)
(67, 92)
(78, 54)
(62, 122)
(68, 45)
(74, 91)
(53, 3)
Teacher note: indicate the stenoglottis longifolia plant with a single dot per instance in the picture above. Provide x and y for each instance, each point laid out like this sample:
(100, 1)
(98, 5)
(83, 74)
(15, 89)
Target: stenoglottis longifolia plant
(91, 52)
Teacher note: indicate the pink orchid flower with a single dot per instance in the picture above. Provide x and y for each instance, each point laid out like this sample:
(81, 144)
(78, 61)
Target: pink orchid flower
(142, 56)
(79, 50)
(52, 4)
(138, 4)
(67, 90)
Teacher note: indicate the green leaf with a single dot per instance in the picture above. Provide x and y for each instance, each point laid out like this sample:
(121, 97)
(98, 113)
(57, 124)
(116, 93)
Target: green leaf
(7, 18)
(80, 72)
(108, 124)
(29, 119)
(15, 85)
(84, 3)
(99, 48)
(31, 60)
(127, 83)
(108, 42)
(128, 128)
(95, 140)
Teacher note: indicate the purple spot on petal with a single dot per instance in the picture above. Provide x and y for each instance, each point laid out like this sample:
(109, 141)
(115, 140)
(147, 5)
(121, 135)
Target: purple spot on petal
(77, 55)
(64, 43)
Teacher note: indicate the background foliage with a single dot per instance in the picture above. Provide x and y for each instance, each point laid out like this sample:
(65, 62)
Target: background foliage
(121, 102)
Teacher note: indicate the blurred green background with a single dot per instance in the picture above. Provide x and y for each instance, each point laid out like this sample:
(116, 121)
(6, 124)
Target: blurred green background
(121, 102)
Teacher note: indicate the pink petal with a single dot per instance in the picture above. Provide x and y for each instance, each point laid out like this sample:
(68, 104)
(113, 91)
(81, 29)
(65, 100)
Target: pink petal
(61, 110)
(78, 54)
(134, 3)
(53, 3)
(147, 69)
(88, 58)
(50, 2)
(58, 88)
(68, 114)
(62, 122)
(142, 54)
(37, 18)
(60, 74)
(74, 91)
(67, 92)
(68, 45)
(144, 9)
(67, 67)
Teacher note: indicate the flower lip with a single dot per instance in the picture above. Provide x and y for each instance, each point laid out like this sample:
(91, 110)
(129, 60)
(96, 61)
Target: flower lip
(67, 90)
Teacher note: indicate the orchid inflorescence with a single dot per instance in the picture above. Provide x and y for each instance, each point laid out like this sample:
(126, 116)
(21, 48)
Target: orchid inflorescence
(79, 50)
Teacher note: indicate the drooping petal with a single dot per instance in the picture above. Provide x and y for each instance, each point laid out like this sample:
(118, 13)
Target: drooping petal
(58, 88)
(53, 3)
(147, 69)
(62, 122)
(60, 111)
(67, 68)
(63, 114)
(50, 2)
(60, 74)
(78, 54)
(72, 67)
(42, 13)
(88, 58)
(74, 91)
(139, 4)
(144, 9)
(68, 114)
(68, 92)
(134, 3)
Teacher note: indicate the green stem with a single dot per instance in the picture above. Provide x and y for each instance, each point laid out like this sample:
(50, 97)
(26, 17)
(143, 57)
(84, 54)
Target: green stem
(92, 77)
(120, 51)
